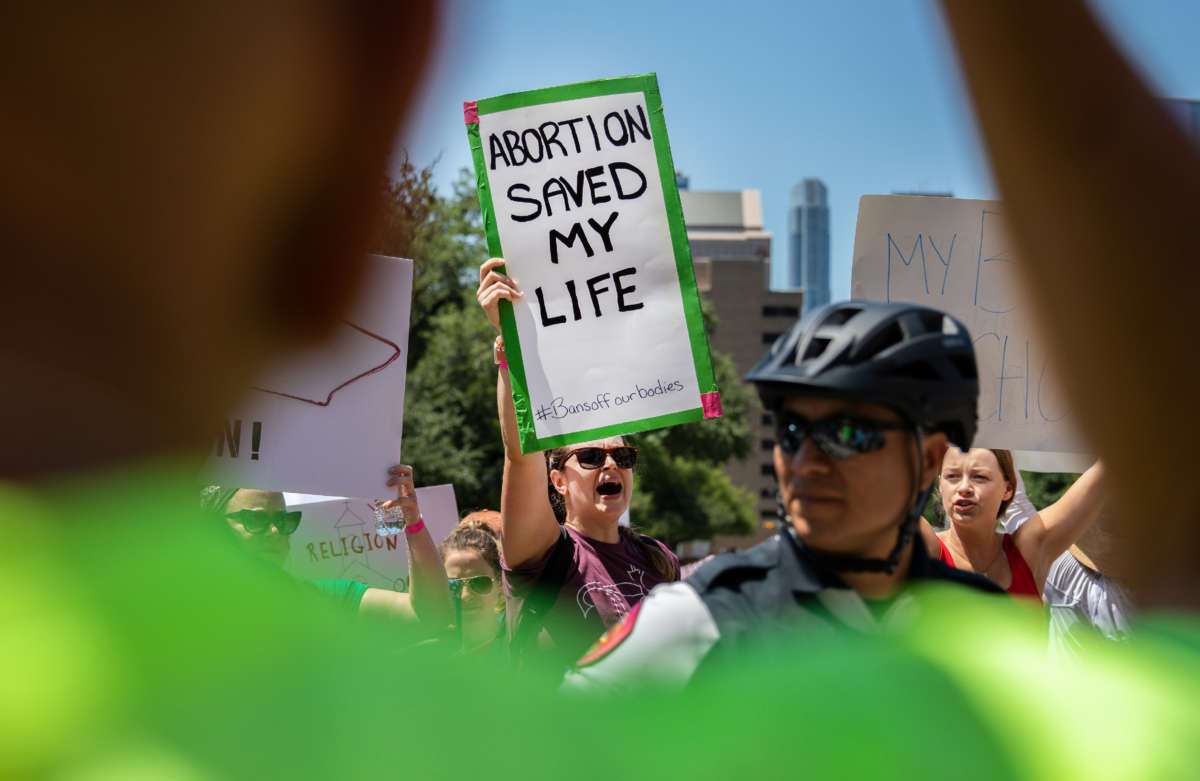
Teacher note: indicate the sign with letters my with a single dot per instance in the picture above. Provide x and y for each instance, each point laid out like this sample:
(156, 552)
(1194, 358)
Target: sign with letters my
(955, 255)
(578, 194)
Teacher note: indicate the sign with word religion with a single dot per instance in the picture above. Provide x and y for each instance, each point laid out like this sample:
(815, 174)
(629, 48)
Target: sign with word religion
(955, 255)
(336, 538)
(327, 420)
(578, 194)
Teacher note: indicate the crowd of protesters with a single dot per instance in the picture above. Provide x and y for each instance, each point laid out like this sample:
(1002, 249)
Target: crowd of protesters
(865, 433)
(135, 644)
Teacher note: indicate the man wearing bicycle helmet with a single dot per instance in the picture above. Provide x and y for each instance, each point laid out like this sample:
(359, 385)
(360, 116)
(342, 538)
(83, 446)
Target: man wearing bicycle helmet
(866, 397)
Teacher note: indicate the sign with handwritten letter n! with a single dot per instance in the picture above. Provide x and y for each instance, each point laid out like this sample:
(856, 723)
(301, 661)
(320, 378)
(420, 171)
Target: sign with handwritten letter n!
(328, 420)
(955, 255)
(579, 197)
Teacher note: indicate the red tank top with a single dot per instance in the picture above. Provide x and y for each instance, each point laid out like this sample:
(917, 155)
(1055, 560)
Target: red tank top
(1023, 584)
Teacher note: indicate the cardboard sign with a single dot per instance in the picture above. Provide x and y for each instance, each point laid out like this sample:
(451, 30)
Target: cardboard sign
(578, 194)
(328, 421)
(336, 538)
(955, 255)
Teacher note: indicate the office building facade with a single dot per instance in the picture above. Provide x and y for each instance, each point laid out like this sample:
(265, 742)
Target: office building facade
(731, 253)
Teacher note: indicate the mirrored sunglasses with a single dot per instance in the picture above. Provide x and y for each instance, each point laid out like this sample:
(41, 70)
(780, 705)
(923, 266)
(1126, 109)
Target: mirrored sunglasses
(479, 585)
(624, 456)
(260, 521)
(838, 437)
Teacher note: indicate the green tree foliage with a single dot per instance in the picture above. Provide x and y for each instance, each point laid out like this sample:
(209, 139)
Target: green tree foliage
(1046, 488)
(443, 236)
(451, 434)
(682, 492)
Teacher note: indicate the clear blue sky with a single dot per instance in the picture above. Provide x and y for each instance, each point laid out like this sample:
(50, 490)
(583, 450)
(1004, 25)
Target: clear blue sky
(862, 94)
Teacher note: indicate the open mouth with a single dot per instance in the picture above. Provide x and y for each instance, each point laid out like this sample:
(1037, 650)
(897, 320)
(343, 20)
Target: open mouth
(609, 488)
(963, 506)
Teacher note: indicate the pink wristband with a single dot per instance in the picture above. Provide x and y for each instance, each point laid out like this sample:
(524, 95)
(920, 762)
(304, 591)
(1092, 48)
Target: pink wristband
(504, 366)
(416, 527)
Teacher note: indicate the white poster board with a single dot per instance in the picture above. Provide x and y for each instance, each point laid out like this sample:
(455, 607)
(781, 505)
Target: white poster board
(608, 338)
(955, 255)
(336, 538)
(328, 420)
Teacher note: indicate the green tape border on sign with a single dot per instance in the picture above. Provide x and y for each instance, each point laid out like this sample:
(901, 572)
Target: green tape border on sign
(647, 84)
(508, 323)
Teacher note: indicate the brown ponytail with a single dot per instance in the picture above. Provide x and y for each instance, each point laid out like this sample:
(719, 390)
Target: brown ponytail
(553, 458)
(474, 534)
(659, 560)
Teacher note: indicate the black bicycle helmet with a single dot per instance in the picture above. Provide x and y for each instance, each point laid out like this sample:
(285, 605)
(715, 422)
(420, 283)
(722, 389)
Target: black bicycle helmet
(913, 359)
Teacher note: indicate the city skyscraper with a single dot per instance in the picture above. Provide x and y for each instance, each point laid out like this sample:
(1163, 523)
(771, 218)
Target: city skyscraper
(808, 242)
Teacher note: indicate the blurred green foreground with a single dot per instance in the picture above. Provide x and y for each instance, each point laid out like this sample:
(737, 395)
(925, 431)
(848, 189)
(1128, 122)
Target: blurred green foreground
(136, 642)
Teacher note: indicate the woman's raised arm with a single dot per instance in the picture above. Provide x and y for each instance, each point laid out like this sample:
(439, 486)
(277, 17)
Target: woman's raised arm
(528, 524)
(1053, 529)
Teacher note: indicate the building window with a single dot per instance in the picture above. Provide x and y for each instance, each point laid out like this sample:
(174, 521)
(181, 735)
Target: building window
(767, 419)
(780, 311)
(768, 444)
(766, 493)
(768, 470)
(769, 515)
(769, 337)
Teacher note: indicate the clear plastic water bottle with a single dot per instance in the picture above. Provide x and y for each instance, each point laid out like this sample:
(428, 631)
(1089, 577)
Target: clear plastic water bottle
(389, 520)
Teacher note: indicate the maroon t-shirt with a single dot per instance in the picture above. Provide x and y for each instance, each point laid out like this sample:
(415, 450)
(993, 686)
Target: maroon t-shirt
(603, 582)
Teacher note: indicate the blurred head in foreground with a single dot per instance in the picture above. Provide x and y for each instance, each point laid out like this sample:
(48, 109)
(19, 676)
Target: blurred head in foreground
(188, 191)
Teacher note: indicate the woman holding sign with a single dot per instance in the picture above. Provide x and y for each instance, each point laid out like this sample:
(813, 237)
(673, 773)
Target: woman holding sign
(571, 573)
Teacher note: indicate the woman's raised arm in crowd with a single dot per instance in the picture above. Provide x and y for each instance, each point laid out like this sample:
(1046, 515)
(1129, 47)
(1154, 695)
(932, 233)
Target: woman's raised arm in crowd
(528, 522)
(1054, 528)
(428, 595)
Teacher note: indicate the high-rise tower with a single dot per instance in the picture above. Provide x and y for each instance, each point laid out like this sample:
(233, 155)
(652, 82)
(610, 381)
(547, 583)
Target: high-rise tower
(808, 250)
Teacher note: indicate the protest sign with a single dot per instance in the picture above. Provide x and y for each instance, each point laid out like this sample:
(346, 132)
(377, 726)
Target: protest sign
(327, 421)
(955, 255)
(578, 194)
(336, 538)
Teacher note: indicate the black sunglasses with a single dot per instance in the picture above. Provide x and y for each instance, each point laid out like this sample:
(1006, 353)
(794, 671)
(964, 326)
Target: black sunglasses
(479, 585)
(839, 436)
(259, 521)
(625, 456)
